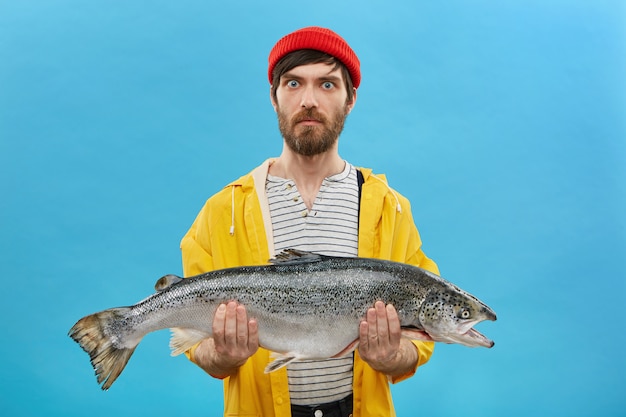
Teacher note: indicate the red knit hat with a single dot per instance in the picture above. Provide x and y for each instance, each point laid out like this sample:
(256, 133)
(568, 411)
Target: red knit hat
(320, 39)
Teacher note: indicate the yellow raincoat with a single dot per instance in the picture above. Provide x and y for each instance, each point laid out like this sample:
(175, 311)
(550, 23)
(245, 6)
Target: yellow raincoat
(234, 229)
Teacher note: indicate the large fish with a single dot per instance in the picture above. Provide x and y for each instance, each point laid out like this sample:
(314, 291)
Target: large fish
(307, 306)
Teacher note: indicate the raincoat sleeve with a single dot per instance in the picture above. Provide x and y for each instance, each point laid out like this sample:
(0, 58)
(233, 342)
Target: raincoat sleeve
(196, 253)
(387, 231)
(220, 237)
(416, 256)
(196, 246)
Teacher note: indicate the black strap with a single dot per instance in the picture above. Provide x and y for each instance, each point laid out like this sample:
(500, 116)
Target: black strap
(359, 180)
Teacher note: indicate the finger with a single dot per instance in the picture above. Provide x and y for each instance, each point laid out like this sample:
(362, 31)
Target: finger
(253, 335)
(382, 327)
(218, 322)
(393, 321)
(242, 326)
(372, 324)
(230, 324)
(363, 336)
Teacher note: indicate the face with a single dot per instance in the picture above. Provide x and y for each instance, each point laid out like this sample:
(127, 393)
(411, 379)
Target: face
(311, 103)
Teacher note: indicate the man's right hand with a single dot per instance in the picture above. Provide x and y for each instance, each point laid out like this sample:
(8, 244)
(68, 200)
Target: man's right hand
(235, 339)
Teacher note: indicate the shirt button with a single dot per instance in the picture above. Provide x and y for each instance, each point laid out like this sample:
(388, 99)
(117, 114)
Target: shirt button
(305, 213)
(279, 400)
(318, 413)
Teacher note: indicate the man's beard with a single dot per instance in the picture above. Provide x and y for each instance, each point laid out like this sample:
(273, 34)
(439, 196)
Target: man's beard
(311, 140)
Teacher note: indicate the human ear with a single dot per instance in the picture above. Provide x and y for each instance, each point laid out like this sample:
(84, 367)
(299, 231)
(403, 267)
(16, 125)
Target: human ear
(273, 100)
(350, 104)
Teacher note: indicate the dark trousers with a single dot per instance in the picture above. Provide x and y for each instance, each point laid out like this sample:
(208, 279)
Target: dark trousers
(341, 408)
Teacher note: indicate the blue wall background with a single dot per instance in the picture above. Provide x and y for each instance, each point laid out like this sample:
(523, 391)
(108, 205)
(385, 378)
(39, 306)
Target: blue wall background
(503, 122)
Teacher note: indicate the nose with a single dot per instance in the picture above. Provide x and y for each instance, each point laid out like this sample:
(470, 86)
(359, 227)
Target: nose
(309, 98)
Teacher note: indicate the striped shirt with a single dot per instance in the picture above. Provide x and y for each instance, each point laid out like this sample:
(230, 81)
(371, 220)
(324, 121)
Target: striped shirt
(329, 228)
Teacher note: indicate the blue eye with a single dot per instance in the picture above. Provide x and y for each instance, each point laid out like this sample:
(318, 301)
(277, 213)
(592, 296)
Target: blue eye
(328, 85)
(292, 83)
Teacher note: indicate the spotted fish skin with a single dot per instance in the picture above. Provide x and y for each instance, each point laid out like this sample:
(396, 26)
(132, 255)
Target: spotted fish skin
(307, 306)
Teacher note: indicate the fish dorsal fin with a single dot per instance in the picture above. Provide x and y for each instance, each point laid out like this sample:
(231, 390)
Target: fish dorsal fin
(166, 282)
(294, 256)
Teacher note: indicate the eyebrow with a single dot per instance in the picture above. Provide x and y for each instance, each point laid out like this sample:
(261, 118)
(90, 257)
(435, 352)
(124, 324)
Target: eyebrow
(328, 77)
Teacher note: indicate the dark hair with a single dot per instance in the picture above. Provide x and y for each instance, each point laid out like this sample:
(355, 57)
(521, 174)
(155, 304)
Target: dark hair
(309, 56)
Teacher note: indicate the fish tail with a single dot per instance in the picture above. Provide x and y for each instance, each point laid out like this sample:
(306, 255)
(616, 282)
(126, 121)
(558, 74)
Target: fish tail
(107, 359)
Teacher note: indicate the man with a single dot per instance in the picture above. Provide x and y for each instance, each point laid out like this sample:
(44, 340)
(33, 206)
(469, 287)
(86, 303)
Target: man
(308, 198)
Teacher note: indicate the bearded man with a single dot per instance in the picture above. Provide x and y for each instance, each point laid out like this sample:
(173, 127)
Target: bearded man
(309, 199)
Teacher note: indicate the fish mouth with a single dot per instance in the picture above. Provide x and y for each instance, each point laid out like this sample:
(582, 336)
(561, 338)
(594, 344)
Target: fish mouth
(477, 339)
(470, 338)
(464, 334)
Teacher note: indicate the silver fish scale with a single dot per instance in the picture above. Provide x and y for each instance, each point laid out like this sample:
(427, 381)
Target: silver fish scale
(307, 307)
(288, 298)
(329, 287)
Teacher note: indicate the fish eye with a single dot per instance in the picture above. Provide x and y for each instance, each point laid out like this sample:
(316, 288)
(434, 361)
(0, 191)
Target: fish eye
(465, 314)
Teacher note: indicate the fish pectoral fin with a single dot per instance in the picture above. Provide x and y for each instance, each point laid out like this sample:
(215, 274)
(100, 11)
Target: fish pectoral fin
(280, 360)
(184, 339)
(416, 334)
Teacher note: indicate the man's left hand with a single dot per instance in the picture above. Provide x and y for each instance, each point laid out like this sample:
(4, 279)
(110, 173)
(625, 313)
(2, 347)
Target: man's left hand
(380, 338)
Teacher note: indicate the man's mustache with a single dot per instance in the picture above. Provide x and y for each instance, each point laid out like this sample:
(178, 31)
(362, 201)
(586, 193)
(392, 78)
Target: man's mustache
(309, 114)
